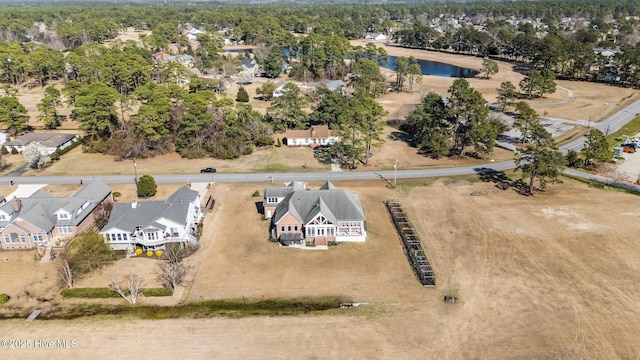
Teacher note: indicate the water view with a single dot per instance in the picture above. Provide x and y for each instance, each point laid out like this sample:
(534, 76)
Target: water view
(436, 68)
(428, 67)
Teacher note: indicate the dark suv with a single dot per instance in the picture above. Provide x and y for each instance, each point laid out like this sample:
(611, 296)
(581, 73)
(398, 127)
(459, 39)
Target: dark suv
(208, 170)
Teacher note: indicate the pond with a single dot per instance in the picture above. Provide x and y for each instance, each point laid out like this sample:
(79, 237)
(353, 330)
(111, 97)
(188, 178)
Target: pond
(436, 68)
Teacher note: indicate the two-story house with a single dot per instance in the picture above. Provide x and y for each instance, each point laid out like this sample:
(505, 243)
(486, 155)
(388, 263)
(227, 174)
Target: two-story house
(153, 224)
(34, 221)
(322, 216)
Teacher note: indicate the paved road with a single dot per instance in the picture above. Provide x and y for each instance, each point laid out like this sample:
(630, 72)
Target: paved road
(262, 177)
(610, 124)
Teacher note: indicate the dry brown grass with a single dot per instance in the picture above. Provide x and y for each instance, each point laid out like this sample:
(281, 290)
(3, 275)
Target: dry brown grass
(593, 100)
(548, 276)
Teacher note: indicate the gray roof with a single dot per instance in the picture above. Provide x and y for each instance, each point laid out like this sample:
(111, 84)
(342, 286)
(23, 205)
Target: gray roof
(147, 213)
(335, 84)
(47, 139)
(39, 208)
(282, 191)
(334, 204)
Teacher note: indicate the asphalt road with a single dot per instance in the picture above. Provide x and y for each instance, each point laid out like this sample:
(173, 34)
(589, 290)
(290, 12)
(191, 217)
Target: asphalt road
(610, 124)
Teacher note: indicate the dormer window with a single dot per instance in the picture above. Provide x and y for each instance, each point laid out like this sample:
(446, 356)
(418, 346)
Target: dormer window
(63, 215)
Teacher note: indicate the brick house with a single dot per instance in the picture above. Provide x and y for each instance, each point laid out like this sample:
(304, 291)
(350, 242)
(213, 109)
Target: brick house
(323, 215)
(42, 218)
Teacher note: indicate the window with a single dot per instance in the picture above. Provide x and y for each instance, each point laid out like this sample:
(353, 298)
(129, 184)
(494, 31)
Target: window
(38, 237)
(7, 239)
(2, 217)
(289, 228)
(63, 215)
(152, 236)
(23, 238)
(282, 228)
(125, 237)
(64, 229)
(119, 237)
(295, 228)
(174, 232)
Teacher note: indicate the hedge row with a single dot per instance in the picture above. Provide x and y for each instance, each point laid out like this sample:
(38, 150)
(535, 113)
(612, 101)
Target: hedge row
(90, 293)
(59, 152)
(97, 293)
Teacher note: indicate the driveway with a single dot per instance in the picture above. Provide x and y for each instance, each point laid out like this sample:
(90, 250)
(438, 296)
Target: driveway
(24, 191)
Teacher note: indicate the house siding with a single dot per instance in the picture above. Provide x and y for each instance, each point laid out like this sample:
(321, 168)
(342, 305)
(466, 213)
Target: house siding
(25, 229)
(289, 221)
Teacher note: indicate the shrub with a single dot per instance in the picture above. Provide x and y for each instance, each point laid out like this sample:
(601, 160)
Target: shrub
(138, 251)
(279, 142)
(116, 194)
(310, 243)
(92, 293)
(243, 95)
(4, 298)
(256, 193)
(14, 151)
(158, 253)
(3, 150)
(158, 291)
(332, 243)
(55, 156)
(147, 186)
(264, 140)
(149, 253)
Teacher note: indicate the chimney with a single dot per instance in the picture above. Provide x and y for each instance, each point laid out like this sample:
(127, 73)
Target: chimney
(134, 204)
(17, 204)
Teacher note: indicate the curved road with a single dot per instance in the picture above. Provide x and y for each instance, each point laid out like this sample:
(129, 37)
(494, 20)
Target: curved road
(608, 125)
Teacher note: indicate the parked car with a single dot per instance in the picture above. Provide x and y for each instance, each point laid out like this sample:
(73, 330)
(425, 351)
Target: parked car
(208, 170)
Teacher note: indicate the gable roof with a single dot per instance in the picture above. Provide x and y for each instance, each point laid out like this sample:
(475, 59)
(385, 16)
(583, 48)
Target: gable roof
(39, 209)
(314, 132)
(46, 139)
(282, 191)
(147, 213)
(334, 204)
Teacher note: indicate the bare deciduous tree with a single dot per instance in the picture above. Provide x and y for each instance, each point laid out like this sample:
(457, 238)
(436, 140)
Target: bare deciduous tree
(65, 270)
(172, 272)
(133, 283)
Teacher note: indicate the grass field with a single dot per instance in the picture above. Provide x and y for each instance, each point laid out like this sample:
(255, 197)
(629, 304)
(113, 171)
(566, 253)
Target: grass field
(547, 277)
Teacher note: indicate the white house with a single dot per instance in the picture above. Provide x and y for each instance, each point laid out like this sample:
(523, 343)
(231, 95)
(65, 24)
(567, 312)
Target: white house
(50, 141)
(151, 225)
(317, 135)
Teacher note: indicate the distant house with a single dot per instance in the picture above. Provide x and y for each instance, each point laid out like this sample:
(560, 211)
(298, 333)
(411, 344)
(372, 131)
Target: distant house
(334, 85)
(152, 225)
(184, 59)
(316, 135)
(249, 65)
(277, 92)
(273, 195)
(50, 141)
(35, 221)
(379, 37)
(324, 215)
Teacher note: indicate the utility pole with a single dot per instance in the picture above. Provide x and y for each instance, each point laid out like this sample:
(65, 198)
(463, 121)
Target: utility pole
(607, 132)
(395, 171)
(135, 170)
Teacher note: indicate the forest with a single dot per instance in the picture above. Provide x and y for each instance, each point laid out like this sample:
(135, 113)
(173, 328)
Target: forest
(172, 108)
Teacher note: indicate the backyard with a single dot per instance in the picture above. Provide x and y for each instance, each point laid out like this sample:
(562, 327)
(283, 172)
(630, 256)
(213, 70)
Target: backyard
(548, 276)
